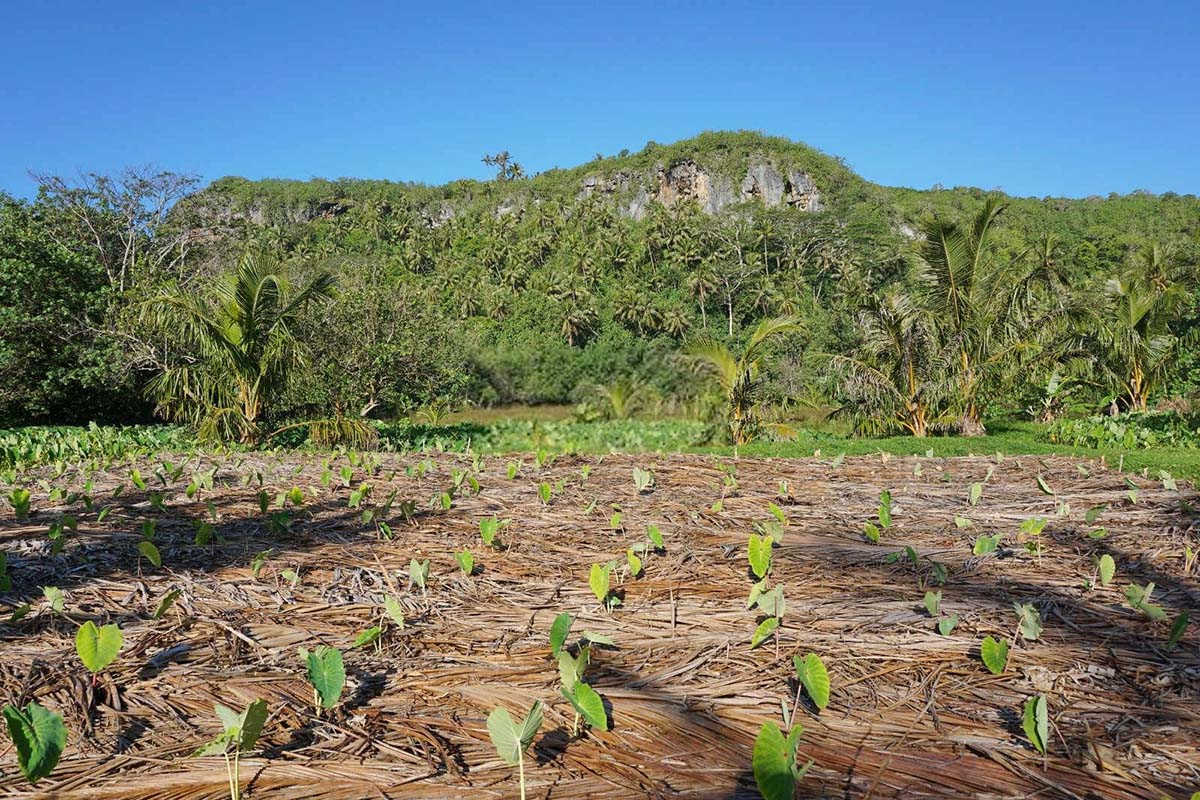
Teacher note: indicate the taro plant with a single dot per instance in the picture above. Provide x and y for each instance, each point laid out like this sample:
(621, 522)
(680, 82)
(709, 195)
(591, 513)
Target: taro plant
(39, 737)
(583, 698)
(1138, 598)
(466, 561)
(326, 673)
(98, 647)
(5, 580)
(643, 480)
(883, 515)
(1035, 722)
(239, 734)
(1029, 621)
(418, 573)
(599, 580)
(812, 676)
(511, 739)
(489, 528)
(18, 498)
(775, 762)
(994, 654)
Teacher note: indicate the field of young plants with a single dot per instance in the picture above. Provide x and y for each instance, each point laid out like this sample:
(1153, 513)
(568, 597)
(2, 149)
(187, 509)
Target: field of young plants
(343, 626)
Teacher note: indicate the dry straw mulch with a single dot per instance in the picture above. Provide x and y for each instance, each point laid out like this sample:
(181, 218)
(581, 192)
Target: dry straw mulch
(913, 713)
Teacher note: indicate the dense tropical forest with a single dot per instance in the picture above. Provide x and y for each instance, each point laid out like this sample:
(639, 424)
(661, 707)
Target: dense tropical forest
(734, 278)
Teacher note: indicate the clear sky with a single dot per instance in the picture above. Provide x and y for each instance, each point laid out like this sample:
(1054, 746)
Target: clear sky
(1035, 97)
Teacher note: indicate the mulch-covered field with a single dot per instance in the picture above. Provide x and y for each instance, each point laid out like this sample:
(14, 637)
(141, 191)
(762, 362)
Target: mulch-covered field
(913, 713)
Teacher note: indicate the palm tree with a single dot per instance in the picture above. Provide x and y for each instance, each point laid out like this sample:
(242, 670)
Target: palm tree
(898, 376)
(240, 349)
(1134, 334)
(737, 374)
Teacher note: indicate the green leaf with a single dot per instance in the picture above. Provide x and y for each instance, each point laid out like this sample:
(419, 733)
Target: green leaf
(871, 532)
(150, 552)
(97, 647)
(1029, 621)
(772, 764)
(764, 631)
(759, 555)
(165, 603)
(55, 597)
(985, 545)
(252, 721)
(811, 673)
(598, 580)
(946, 625)
(559, 630)
(975, 493)
(1093, 514)
(418, 573)
(509, 738)
(588, 704)
(933, 602)
(1177, 629)
(635, 563)
(777, 512)
(39, 737)
(1035, 722)
(885, 509)
(598, 638)
(369, 636)
(394, 610)
(994, 654)
(1045, 487)
(655, 536)
(1106, 568)
(466, 561)
(326, 673)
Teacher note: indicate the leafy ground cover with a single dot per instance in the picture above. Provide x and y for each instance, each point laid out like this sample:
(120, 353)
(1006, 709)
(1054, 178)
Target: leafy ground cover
(914, 626)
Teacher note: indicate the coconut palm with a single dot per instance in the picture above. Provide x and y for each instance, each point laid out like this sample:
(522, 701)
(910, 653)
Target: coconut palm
(239, 348)
(1135, 340)
(737, 374)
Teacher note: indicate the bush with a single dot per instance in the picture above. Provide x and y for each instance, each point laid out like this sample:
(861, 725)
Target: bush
(1129, 431)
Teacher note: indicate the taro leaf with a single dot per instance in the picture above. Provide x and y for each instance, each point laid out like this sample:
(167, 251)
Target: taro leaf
(598, 580)
(994, 654)
(1033, 526)
(1045, 487)
(418, 573)
(871, 532)
(511, 739)
(1098, 533)
(466, 561)
(759, 554)
(1029, 621)
(395, 612)
(559, 630)
(97, 647)
(975, 493)
(946, 625)
(598, 638)
(962, 523)
(933, 602)
(511, 469)
(150, 552)
(1035, 722)
(635, 563)
(55, 597)
(571, 668)
(655, 536)
(1107, 568)
(588, 704)
(39, 736)
(885, 509)
(544, 492)
(1093, 514)
(985, 545)
(326, 673)
(777, 512)
(772, 764)
(253, 719)
(165, 603)
(811, 673)
(772, 602)
(764, 631)
(756, 592)
(368, 636)
(1177, 629)
(1139, 598)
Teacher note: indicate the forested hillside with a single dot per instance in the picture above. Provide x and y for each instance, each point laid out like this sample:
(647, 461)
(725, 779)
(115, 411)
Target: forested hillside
(540, 289)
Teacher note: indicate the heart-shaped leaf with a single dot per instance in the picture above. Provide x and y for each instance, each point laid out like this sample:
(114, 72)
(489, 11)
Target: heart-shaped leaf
(559, 630)
(509, 738)
(326, 673)
(39, 737)
(589, 705)
(1106, 568)
(994, 654)
(759, 555)
(763, 631)
(811, 673)
(97, 647)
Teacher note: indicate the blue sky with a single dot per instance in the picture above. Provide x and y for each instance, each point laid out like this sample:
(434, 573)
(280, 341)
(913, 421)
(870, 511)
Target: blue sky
(1062, 98)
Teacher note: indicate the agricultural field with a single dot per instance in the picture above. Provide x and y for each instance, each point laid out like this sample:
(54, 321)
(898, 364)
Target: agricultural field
(939, 626)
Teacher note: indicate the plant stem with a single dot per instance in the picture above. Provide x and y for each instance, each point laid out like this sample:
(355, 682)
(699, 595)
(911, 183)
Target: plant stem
(520, 771)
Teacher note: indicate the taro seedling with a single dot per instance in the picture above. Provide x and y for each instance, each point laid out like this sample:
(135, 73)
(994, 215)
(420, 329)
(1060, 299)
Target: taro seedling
(544, 492)
(512, 469)
(946, 625)
(883, 515)
(975, 493)
(758, 553)
(654, 536)
(54, 598)
(599, 580)
(559, 630)
(97, 647)
(5, 580)
(165, 603)
(1035, 722)
(511, 739)
(369, 636)
(394, 611)
(986, 545)
(39, 737)
(1029, 621)
(633, 560)
(466, 561)
(1031, 535)
(812, 676)
(418, 573)
(775, 762)
(239, 734)
(643, 480)
(326, 673)
(1105, 569)
(582, 697)
(1139, 599)
(488, 528)
(614, 522)
(994, 654)
(1178, 627)
(19, 500)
